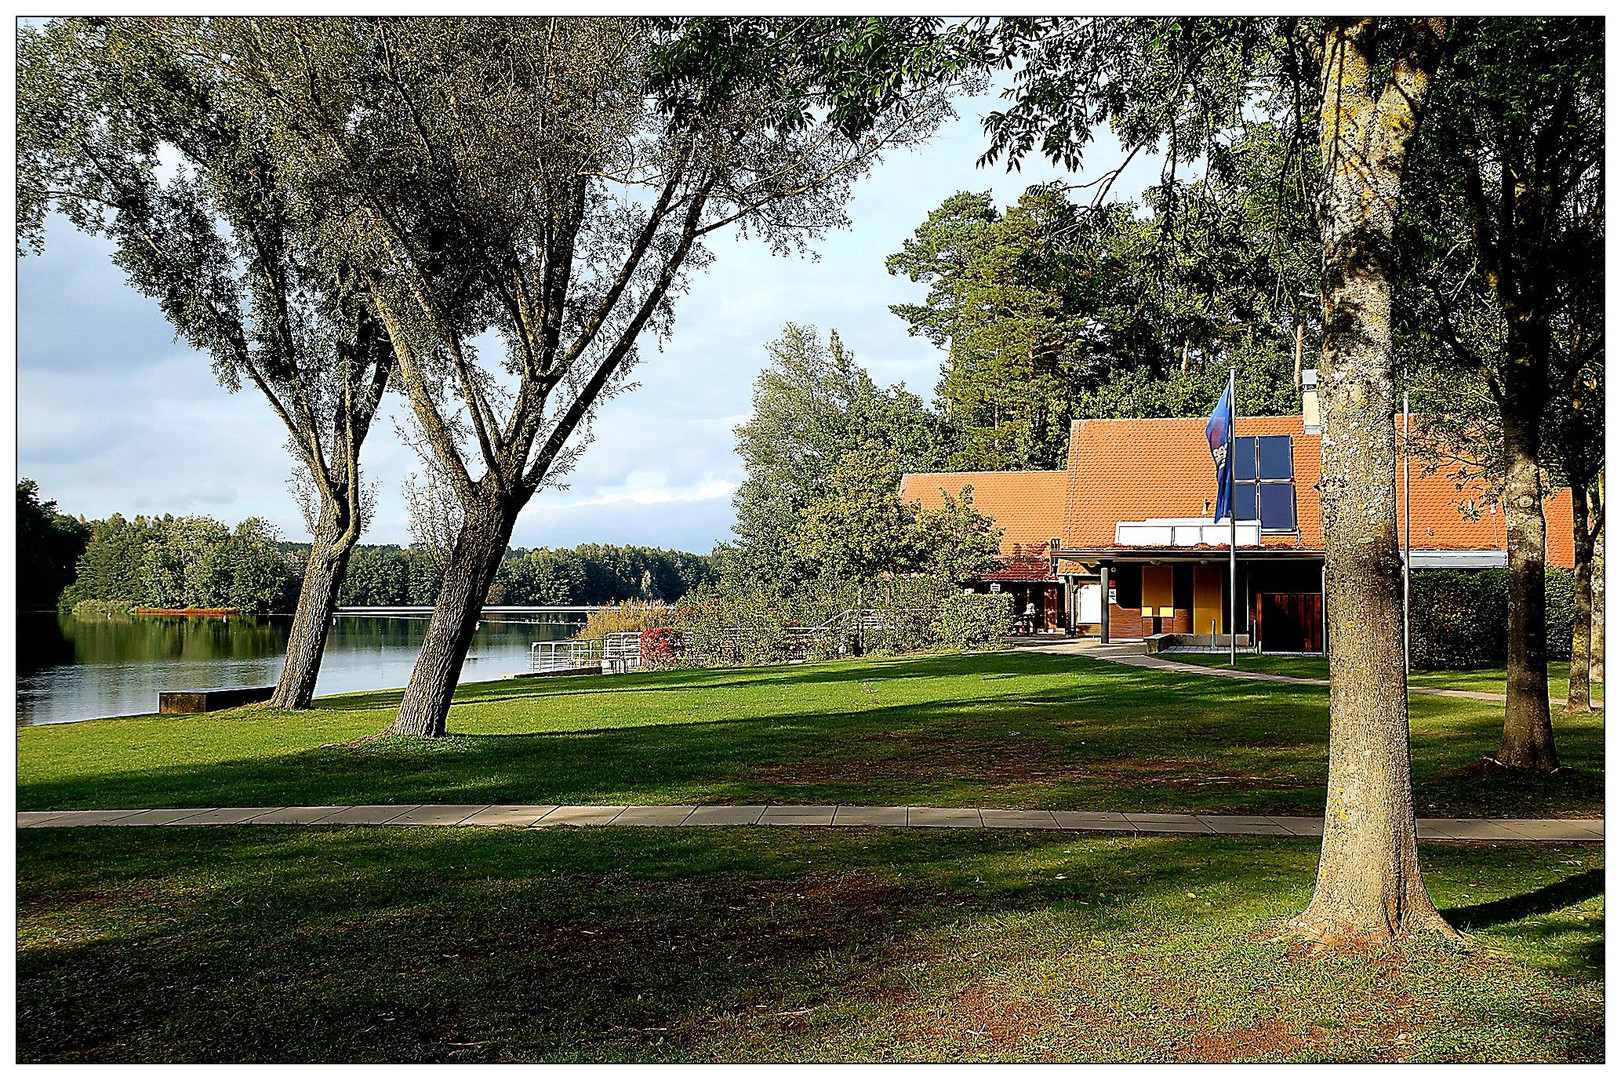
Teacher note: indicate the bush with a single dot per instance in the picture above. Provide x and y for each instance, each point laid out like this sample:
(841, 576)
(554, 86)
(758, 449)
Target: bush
(973, 620)
(1460, 618)
(660, 648)
(102, 609)
(830, 618)
(632, 615)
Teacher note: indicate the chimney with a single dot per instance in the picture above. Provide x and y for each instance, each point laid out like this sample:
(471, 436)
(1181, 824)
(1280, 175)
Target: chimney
(1308, 402)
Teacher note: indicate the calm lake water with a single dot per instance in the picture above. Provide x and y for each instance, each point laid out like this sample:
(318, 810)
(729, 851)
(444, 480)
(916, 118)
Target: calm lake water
(75, 669)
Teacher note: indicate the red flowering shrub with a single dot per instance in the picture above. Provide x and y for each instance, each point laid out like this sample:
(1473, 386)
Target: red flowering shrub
(660, 647)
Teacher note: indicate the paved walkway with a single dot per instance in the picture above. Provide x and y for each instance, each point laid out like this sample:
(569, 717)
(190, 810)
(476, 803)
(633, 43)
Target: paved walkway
(903, 817)
(1133, 656)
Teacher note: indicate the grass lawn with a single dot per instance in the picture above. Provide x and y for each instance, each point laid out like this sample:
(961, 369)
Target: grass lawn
(467, 945)
(1487, 680)
(995, 730)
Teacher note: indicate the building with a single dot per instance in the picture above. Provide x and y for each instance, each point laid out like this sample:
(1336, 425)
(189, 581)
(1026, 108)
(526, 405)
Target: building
(1128, 527)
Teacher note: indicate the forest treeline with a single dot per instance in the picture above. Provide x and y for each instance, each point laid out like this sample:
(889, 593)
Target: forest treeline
(171, 561)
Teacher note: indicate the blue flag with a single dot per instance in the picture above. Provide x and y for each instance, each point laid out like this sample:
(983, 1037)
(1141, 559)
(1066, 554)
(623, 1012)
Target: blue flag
(1220, 432)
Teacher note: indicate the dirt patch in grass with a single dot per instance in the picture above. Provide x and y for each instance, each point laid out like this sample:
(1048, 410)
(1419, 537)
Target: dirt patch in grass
(915, 757)
(1269, 1040)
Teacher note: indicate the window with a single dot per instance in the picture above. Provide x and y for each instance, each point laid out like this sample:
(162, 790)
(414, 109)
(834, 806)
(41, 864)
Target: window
(1264, 481)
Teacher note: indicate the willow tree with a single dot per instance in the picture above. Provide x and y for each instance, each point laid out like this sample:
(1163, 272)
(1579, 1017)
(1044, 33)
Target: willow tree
(127, 136)
(525, 208)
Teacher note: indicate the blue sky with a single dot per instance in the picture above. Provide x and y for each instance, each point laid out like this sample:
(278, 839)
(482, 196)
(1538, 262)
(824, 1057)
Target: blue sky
(113, 415)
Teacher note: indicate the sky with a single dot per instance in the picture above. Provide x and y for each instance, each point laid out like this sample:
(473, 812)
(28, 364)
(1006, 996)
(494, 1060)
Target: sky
(114, 415)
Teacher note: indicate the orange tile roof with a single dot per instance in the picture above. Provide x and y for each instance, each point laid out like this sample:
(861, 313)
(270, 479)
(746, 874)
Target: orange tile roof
(1028, 506)
(1133, 470)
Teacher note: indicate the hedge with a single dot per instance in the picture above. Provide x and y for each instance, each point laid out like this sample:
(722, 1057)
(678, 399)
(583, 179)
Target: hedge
(1460, 619)
(713, 627)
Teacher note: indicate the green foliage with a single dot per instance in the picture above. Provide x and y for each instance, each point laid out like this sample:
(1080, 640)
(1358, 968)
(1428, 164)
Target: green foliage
(1265, 387)
(812, 404)
(973, 620)
(1052, 311)
(103, 609)
(830, 618)
(1460, 619)
(48, 546)
(185, 562)
(387, 575)
(859, 530)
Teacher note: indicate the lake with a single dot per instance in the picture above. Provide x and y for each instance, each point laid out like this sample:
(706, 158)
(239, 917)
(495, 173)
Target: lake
(76, 669)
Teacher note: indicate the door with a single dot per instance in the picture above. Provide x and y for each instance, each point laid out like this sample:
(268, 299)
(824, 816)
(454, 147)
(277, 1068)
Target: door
(1207, 600)
(1050, 598)
(1290, 622)
(1091, 607)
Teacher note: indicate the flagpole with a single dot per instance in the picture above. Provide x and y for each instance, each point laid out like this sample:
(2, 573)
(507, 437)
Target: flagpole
(1232, 523)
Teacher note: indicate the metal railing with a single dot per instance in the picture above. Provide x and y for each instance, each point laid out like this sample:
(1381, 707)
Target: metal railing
(563, 655)
(622, 652)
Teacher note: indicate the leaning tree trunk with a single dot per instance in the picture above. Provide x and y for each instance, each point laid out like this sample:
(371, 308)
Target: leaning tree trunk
(473, 564)
(1580, 696)
(1368, 882)
(1527, 723)
(332, 544)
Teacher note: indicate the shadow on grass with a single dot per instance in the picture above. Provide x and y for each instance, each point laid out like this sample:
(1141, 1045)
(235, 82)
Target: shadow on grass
(1561, 894)
(992, 729)
(620, 944)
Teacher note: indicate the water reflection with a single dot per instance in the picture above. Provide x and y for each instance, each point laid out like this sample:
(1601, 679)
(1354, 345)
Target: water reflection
(75, 669)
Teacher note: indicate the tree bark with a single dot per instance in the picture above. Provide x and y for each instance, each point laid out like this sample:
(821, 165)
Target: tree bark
(1527, 722)
(473, 564)
(1579, 698)
(1368, 881)
(331, 545)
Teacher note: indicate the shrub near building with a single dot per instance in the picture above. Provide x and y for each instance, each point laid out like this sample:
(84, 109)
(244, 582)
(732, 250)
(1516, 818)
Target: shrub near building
(1460, 619)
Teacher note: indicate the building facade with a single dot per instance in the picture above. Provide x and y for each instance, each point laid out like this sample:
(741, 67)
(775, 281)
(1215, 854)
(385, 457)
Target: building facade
(1122, 544)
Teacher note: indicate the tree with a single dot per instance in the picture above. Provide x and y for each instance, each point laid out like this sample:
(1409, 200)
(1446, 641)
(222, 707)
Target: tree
(127, 132)
(557, 220)
(812, 403)
(957, 542)
(858, 530)
(1194, 83)
(48, 545)
(1001, 302)
(1512, 182)
(1055, 310)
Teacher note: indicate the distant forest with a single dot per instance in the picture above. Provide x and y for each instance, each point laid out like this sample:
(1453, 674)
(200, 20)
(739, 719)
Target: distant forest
(173, 561)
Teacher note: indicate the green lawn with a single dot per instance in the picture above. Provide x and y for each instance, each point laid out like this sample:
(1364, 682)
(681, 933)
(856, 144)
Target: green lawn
(470, 945)
(1002, 729)
(1488, 680)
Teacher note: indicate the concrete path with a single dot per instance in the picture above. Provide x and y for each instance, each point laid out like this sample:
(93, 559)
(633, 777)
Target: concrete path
(1133, 656)
(901, 817)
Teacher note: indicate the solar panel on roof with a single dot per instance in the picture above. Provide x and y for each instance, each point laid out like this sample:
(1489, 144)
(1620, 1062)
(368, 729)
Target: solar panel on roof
(1276, 454)
(1244, 458)
(1277, 506)
(1244, 502)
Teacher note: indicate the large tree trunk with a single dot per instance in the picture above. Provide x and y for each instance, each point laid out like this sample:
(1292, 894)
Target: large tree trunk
(1527, 724)
(1368, 881)
(1580, 696)
(473, 564)
(331, 545)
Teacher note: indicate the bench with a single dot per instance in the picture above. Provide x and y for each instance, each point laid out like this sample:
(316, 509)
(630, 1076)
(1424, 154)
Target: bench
(195, 701)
